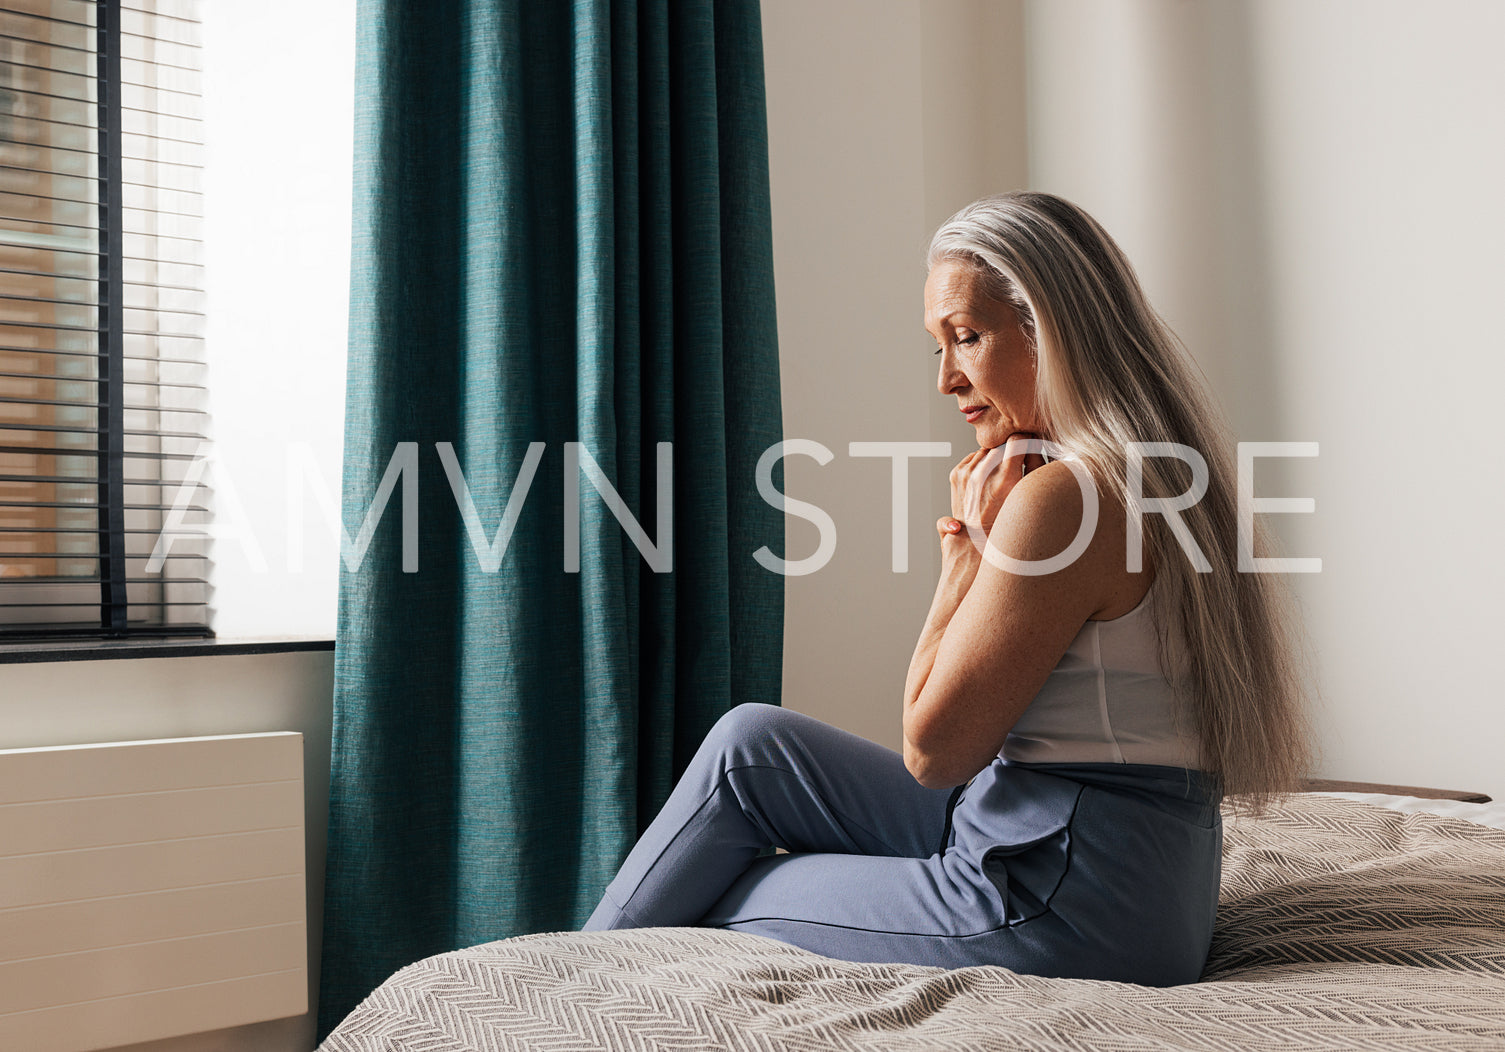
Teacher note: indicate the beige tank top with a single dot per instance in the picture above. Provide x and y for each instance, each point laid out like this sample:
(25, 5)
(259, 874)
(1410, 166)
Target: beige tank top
(1107, 701)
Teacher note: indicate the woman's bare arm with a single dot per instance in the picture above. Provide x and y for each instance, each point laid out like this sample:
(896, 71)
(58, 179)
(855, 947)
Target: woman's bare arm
(992, 637)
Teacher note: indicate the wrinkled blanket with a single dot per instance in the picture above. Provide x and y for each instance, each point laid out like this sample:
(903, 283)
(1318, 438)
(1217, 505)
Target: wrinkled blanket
(1340, 925)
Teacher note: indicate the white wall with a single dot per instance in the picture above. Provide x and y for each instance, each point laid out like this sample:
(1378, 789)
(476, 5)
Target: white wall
(1383, 159)
(79, 702)
(1311, 192)
(870, 146)
(847, 174)
(1309, 189)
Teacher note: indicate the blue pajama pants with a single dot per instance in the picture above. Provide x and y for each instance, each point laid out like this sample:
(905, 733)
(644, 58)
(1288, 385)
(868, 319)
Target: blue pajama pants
(1105, 871)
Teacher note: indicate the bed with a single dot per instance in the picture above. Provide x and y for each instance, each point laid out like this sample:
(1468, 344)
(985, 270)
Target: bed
(1342, 924)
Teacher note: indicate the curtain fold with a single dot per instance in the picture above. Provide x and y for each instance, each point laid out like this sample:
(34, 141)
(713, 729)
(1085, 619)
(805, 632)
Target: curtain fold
(562, 235)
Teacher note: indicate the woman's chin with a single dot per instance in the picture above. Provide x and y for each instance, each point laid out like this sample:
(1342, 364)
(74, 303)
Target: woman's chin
(993, 435)
(990, 435)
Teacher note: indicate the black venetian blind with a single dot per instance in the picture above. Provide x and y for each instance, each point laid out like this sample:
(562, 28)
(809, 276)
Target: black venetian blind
(101, 317)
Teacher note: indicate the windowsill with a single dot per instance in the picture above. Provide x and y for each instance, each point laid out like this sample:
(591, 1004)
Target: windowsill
(112, 649)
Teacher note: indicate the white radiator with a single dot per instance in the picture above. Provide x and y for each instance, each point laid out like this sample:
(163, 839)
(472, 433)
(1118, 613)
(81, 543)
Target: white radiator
(150, 889)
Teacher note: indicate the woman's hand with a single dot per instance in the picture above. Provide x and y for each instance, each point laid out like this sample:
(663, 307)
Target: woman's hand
(982, 482)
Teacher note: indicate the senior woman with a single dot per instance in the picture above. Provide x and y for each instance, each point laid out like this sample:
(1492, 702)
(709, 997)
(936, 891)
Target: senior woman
(1094, 675)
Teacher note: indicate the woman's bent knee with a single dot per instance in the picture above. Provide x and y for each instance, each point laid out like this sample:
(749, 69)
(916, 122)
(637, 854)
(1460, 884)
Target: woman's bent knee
(748, 721)
(748, 732)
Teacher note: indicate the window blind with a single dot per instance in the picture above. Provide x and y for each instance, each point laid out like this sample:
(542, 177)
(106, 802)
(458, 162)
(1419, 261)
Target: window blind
(102, 396)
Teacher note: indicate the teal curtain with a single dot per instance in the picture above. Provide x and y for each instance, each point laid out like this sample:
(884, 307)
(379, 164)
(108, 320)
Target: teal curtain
(561, 235)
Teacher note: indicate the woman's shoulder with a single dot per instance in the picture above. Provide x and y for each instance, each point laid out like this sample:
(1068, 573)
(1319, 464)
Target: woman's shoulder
(1044, 517)
(1044, 512)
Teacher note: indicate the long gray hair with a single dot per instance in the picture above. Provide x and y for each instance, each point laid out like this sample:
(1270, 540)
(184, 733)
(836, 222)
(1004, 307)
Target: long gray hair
(1109, 372)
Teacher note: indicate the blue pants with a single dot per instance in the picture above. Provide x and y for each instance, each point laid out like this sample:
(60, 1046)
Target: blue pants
(1105, 871)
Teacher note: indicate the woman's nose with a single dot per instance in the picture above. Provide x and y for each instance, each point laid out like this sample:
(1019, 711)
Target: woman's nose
(951, 378)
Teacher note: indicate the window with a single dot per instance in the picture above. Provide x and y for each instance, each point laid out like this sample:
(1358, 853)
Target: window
(102, 385)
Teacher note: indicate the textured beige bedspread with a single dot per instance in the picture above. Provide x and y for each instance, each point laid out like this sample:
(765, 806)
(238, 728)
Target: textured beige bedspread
(1341, 926)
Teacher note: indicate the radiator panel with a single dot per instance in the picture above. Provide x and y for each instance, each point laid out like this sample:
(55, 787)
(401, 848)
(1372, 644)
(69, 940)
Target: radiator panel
(67, 876)
(92, 923)
(136, 818)
(150, 889)
(99, 1024)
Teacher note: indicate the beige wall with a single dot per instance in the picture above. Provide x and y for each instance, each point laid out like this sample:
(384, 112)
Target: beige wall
(1310, 191)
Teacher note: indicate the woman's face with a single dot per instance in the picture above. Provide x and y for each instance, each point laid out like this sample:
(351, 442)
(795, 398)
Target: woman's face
(985, 357)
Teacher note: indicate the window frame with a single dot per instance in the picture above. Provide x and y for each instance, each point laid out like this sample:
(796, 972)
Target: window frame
(112, 578)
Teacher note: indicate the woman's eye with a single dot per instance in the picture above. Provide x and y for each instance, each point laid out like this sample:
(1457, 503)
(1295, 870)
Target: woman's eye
(967, 340)
(962, 340)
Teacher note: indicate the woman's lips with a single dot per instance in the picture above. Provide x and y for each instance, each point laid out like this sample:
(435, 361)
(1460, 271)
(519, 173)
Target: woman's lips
(972, 412)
